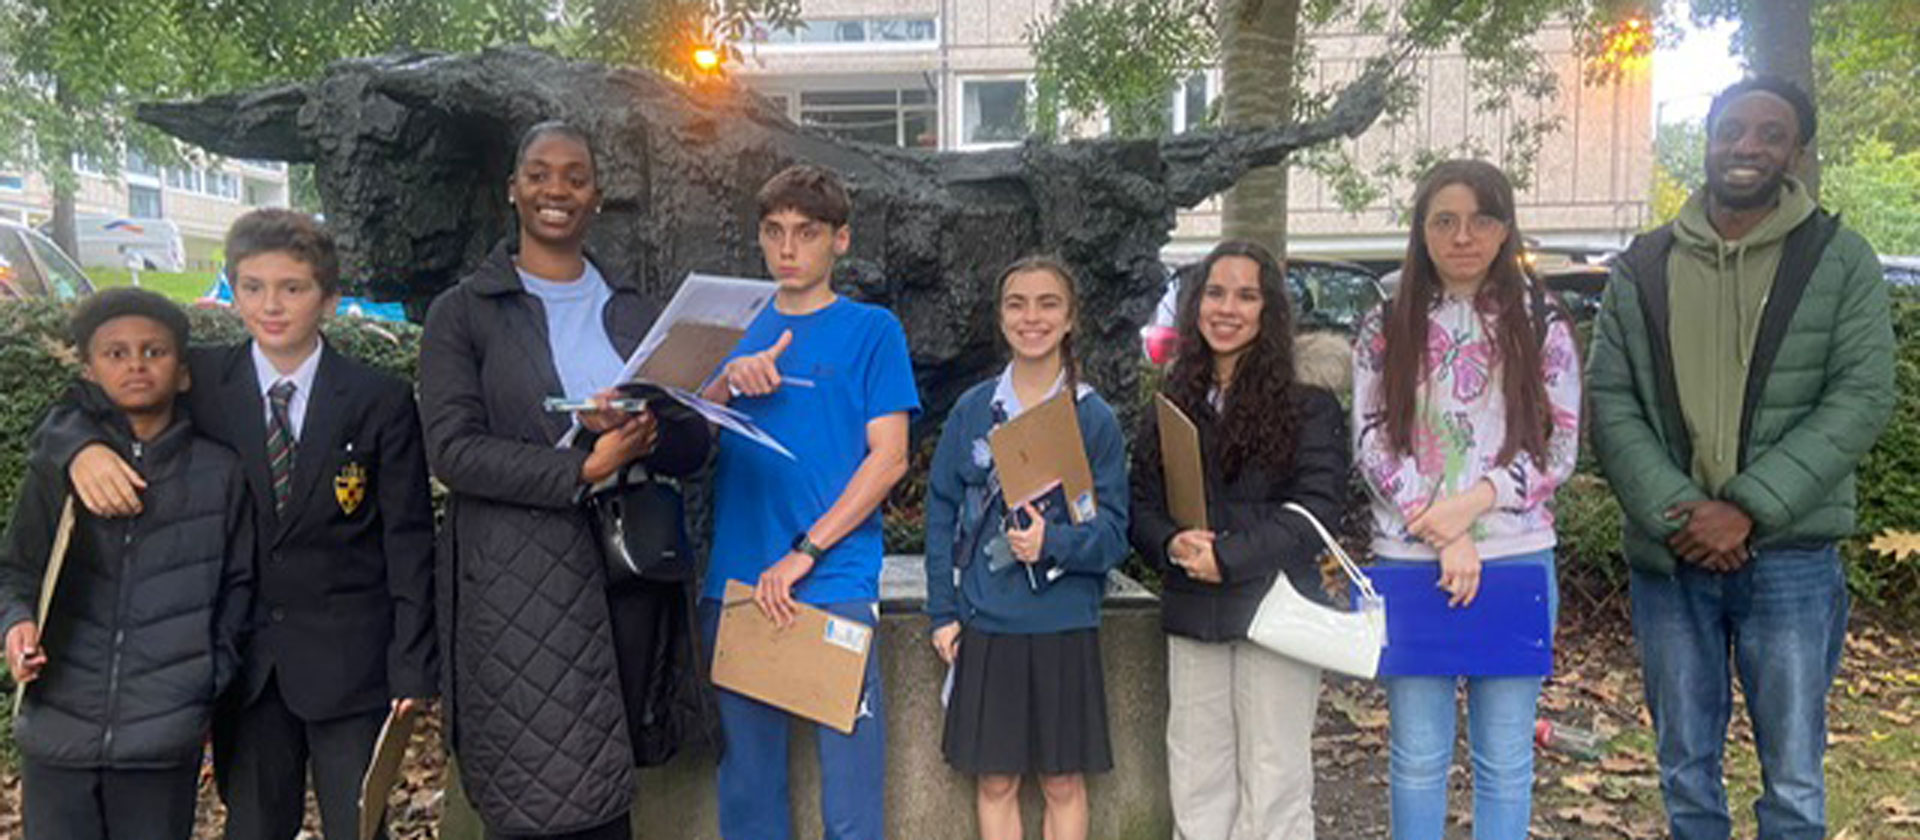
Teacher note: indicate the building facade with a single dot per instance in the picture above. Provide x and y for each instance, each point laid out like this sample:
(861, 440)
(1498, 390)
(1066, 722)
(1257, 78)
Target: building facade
(956, 75)
(201, 199)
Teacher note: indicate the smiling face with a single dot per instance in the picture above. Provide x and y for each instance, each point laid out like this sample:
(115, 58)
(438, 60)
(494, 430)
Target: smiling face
(800, 250)
(555, 191)
(136, 360)
(1230, 305)
(1461, 239)
(1036, 313)
(281, 304)
(1751, 146)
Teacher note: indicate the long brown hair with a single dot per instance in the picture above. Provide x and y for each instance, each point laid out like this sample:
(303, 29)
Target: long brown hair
(1058, 268)
(1258, 423)
(1507, 296)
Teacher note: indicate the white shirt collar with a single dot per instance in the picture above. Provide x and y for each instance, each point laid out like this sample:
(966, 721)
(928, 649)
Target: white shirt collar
(302, 379)
(1009, 401)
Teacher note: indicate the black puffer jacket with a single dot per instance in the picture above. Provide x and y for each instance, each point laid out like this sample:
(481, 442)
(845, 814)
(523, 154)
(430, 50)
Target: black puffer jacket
(144, 628)
(1257, 539)
(538, 719)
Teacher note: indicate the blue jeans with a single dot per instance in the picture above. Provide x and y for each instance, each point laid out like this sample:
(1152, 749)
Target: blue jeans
(1781, 620)
(1500, 715)
(753, 770)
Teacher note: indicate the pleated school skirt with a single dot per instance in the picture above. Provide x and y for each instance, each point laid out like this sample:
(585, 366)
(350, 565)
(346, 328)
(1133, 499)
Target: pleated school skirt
(1028, 704)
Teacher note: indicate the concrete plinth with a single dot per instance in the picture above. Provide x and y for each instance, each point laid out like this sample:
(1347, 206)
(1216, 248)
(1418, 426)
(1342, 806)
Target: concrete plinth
(927, 800)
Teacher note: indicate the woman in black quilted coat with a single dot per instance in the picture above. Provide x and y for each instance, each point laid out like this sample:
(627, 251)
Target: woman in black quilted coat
(539, 720)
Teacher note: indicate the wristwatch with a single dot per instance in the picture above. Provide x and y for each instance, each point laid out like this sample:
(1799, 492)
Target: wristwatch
(805, 546)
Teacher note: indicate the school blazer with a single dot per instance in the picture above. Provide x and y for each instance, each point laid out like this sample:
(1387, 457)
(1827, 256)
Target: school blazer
(343, 591)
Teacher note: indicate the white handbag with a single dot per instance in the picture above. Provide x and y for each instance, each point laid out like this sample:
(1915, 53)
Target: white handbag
(1294, 627)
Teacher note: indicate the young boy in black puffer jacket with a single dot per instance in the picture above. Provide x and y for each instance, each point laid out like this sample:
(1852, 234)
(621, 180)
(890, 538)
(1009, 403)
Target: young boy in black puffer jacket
(143, 629)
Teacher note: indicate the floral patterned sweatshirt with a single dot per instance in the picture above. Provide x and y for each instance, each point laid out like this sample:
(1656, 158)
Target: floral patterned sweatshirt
(1459, 425)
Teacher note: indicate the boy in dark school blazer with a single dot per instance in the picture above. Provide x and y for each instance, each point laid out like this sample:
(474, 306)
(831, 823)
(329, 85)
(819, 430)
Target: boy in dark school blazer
(343, 610)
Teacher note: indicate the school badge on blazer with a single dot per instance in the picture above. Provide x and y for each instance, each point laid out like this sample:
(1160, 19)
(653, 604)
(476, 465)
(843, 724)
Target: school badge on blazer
(350, 487)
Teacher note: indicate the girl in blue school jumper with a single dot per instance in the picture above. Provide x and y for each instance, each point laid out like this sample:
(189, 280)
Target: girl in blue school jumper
(1014, 596)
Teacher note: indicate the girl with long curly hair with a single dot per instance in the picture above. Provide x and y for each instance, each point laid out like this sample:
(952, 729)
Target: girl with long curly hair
(1240, 718)
(1467, 416)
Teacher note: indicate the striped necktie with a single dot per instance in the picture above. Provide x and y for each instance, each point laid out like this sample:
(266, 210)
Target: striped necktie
(280, 443)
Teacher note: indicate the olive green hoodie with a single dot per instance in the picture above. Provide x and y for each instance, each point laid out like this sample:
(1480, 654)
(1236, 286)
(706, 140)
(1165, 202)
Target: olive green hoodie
(1717, 291)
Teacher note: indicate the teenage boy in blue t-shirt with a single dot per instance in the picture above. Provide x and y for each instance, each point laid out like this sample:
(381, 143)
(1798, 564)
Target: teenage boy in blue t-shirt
(807, 529)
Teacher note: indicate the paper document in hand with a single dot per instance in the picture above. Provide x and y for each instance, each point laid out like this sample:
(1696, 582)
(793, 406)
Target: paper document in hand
(726, 417)
(689, 342)
(730, 302)
(1042, 450)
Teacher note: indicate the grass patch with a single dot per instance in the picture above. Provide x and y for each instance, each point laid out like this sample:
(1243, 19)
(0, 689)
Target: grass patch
(185, 287)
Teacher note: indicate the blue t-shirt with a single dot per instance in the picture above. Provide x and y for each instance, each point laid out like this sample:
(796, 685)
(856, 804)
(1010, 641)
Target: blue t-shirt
(856, 356)
(583, 355)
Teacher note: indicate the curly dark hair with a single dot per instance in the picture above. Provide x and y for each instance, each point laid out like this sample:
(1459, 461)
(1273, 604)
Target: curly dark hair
(1260, 422)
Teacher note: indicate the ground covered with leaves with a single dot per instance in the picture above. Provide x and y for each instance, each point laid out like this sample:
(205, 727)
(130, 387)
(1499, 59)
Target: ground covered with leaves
(1873, 763)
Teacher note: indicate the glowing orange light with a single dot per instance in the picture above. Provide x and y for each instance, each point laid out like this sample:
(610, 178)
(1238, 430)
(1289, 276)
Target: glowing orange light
(706, 58)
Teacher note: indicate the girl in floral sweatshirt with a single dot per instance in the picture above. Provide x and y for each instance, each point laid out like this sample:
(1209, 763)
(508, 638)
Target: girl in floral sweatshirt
(1466, 417)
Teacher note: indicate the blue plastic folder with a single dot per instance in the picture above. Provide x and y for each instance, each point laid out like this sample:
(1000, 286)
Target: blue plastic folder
(1506, 631)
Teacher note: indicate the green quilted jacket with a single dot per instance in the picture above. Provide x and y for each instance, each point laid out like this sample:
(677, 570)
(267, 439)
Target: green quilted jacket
(1819, 391)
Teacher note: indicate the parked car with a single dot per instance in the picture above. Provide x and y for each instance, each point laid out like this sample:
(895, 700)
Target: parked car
(1328, 295)
(1579, 287)
(31, 266)
(1902, 272)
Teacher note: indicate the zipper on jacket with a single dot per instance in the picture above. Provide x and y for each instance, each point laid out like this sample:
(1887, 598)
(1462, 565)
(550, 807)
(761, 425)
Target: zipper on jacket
(119, 615)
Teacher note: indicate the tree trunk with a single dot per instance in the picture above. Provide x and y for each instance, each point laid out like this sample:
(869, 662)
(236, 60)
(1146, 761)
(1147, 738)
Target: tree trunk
(60, 176)
(1779, 37)
(1257, 39)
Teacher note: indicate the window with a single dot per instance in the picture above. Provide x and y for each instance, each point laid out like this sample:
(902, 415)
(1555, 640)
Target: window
(13, 183)
(993, 111)
(884, 117)
(1187, 107)
(223, 185)
(86, 164)
(143, 202)
(916, 31)
(137, 164)
(183, 179)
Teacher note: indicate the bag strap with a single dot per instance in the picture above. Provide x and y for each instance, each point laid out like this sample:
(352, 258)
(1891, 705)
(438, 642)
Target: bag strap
(1359, 578)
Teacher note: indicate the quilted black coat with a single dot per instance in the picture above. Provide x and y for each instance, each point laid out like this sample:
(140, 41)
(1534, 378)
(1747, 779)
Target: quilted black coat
(532, 683)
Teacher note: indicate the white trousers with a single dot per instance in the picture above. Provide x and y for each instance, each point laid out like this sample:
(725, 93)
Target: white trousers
(1239, 741)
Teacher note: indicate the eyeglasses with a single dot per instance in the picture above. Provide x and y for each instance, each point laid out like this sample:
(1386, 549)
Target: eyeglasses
(1480, 225)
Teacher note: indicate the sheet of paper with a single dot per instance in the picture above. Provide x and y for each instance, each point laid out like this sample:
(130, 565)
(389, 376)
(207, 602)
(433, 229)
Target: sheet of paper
(709, 303)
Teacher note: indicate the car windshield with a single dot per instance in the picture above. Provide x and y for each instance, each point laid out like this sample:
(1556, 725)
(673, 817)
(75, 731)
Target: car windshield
(17, 275)
(65, 278)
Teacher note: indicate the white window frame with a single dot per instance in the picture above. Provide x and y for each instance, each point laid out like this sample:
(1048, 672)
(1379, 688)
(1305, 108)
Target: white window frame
(796, 108)
(5, 187)
(960, 140)
(1183, 121)
(750, 46)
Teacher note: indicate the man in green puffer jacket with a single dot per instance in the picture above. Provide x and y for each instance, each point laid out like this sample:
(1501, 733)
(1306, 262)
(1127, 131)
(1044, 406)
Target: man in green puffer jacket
(1742, 364)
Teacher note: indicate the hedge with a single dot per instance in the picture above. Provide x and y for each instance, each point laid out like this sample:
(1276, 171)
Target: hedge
(35, 368)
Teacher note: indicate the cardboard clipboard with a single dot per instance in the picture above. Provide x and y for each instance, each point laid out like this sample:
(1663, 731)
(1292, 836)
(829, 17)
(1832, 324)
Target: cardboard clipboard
(1042, 449)
(56, 560)
(389, 751)
(816, 668)
(689, 355)
(1180, 465)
